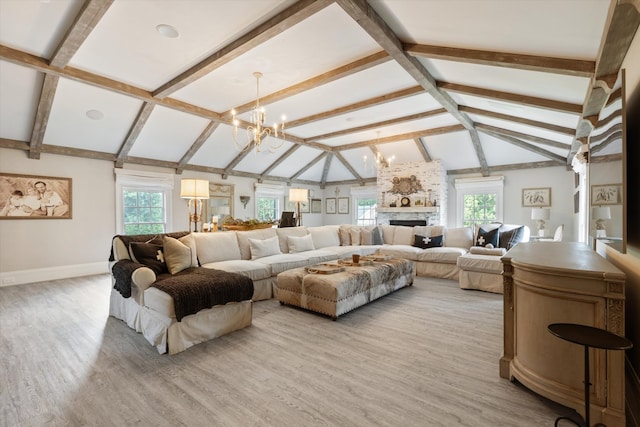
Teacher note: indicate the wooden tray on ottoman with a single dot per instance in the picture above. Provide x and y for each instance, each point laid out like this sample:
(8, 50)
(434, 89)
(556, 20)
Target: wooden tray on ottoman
(324, 269)
(350, 263)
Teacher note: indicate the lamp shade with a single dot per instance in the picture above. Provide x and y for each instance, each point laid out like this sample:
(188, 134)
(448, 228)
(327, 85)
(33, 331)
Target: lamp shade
(601, 212)
(298, 194)
(540, 213)
(194, 188)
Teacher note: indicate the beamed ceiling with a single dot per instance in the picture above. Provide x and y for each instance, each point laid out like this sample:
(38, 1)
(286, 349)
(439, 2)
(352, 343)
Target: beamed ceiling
(482, 85)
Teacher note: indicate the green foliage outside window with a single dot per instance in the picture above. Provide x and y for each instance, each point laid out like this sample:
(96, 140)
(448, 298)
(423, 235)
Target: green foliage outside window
(366, 211)
(267, 208)
(143, 212)
(480, 208)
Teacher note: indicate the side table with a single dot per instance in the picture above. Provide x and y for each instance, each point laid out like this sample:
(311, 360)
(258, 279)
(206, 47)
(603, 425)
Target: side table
(588, 336)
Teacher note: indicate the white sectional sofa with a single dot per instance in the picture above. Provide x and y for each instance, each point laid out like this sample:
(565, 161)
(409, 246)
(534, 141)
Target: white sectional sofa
(262, 254)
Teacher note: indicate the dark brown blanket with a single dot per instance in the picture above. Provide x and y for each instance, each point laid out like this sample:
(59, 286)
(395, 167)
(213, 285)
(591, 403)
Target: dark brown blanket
(122, 271)
(198, 288)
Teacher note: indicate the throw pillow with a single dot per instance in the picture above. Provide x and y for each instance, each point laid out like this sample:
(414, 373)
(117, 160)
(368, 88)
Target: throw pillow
(262, 248)
(366, 235)
(177, 255)
(354, 233)
(300, 243)
(425, 242)
(190, 241)
(486, 238)
(509, 239)
(377, 236)
(345, 236)
(150, 255)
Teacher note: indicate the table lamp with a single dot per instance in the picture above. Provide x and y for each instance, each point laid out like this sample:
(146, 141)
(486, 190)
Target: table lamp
(600, 214)
(298, 195)
(540, 215)
(195, 190)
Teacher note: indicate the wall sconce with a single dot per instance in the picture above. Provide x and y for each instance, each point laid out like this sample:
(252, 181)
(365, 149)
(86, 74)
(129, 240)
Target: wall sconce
(195, 190)
(540, 215)
(298, 195)
(600, 214)
(244, 200)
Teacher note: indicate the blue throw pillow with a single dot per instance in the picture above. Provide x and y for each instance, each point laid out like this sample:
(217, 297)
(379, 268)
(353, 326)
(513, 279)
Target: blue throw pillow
(425, 242)
(488, 237)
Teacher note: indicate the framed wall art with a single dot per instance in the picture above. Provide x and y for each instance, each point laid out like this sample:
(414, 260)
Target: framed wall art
(316, 206)
(293, 206)
(608, 194)
(330, 205)
(343, 205)
(34, 197)
(536, 197)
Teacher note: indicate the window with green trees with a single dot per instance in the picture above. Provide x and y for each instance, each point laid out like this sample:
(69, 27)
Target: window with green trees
(366, 211)
(267, 208)
(144, 211)
(480, 208)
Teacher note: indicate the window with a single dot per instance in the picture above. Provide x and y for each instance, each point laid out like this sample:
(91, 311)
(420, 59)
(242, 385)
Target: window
(143, 211)
(268, 201)
(479, 200)
(366, 205)
(143, 202)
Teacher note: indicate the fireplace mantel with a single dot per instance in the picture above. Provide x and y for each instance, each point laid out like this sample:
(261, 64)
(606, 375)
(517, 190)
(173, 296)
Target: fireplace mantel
(409, 209)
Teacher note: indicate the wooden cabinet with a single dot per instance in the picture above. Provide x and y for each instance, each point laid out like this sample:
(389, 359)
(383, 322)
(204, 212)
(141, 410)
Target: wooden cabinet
(558, 282)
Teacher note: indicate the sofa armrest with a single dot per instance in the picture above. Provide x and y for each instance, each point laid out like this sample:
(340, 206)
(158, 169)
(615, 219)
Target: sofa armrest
(143, 277)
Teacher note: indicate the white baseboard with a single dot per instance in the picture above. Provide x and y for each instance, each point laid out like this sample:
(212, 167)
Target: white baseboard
(21, 277)
(632, 396)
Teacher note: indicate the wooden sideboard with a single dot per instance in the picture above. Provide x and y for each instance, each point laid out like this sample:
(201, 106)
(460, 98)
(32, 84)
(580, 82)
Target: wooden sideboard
(558, 282)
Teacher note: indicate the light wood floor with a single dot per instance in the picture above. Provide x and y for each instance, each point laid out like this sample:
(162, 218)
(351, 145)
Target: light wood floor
(426, 355)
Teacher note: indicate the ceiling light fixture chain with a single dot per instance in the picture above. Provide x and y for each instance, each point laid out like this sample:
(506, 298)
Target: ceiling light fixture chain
(257, 133)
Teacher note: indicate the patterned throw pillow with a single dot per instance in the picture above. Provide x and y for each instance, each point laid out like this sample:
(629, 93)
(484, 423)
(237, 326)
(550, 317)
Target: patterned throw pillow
(425, 242)
(150, 255)
(509, 239)
(486, 238)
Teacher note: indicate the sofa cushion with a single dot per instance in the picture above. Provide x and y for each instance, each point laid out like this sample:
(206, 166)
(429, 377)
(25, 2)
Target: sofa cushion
(244, 236)
(461, 237)
(403, 235)
(252, 269)
(284, 233)
(262, 248)
(487, 237)
(300, 244)
(324, 236)
(425, 242)
(510, 238)
(441, 255)
(149, 254)
(283, 262)
(480, 263)
(387, 234)
(401, 251)
(482, 250)
(177, 255)
(429, 230)
(319, 255)
(213, 247)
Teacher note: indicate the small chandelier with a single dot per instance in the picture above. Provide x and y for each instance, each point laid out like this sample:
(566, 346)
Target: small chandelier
(380, 162)
(256, 131)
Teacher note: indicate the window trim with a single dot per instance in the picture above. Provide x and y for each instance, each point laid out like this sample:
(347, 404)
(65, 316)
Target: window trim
(366, 192)
(469, 186)
(145, 181)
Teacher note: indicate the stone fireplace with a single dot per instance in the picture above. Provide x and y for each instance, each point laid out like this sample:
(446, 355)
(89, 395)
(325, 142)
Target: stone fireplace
(414, 191)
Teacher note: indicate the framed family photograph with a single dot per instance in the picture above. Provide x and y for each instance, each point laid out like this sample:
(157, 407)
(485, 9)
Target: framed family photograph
(536, 197)
(343, 205)
(330, 205)
(608, 194)
(34, 197)
(316, 206)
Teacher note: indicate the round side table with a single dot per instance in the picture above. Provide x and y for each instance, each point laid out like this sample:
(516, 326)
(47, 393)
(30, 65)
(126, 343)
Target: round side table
(588, 336)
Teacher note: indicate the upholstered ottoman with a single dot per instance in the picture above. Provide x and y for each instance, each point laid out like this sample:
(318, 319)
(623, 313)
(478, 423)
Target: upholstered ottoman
(339, 293)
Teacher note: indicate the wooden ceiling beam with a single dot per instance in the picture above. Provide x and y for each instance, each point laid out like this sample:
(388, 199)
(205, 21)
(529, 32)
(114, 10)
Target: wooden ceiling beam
(519, 143)
(325, 170)
(424, 151)
(312, 83)
(402, 137)
(49, 87)
(350, 168)
(520, 135)
(547, 104)
(502, 168)
(372, 102)
(279, 161)
(377, 28)
(571, 67)
(134, 132)
(370, 126)
(477, 147)
(90, 14)
(515, 119)
(286, 19)
(310, 164)
(199, 142)
(610, 137)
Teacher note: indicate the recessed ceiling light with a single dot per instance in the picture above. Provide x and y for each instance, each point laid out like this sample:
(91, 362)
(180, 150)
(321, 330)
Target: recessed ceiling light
(95, 114)
(167, 30)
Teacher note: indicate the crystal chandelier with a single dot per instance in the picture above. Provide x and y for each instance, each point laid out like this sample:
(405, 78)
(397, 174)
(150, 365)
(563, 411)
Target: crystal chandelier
(257, 133)
(380, 162)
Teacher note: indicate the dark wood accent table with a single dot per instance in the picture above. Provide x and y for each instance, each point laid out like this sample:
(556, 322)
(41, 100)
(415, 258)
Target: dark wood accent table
(588, 336)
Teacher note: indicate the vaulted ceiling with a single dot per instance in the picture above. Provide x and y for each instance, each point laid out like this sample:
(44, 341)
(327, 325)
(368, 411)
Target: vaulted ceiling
(483, 85)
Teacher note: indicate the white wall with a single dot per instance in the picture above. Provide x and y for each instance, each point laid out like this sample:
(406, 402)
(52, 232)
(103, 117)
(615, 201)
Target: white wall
(559, 179)
(607, 173)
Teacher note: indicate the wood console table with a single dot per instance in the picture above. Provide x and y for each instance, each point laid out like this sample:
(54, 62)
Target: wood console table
(558, 282)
